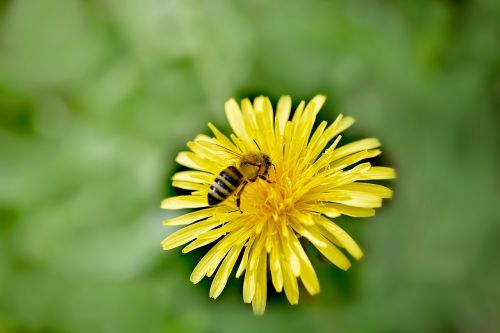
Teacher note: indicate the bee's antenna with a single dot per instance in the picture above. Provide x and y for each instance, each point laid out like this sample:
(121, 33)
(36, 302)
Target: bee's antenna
(257, 144)
(213, 144)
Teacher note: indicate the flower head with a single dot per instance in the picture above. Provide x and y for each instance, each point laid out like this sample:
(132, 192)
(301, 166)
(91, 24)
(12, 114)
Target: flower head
(311, 181)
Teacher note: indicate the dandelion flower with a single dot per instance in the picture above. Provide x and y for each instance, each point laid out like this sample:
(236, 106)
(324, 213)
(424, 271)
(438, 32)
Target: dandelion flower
(312, 181)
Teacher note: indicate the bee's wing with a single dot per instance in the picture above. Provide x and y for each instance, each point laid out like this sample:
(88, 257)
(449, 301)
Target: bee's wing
(218, 149)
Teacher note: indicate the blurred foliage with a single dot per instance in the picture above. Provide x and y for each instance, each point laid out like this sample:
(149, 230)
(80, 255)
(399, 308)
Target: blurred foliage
(97, 97)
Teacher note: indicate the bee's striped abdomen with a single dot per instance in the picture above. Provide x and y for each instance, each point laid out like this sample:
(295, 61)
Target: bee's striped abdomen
(224, 185)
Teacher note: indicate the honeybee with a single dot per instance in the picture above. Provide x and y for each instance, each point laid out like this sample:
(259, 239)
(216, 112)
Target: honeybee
(250, 167)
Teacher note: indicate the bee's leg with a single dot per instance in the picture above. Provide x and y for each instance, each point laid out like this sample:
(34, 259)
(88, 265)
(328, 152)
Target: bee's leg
(265, 178)
(238, 195)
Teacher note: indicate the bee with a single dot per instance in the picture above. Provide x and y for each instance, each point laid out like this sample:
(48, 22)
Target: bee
(250, 167)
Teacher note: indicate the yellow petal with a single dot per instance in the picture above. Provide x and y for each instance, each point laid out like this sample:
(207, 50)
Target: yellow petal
(275, 267)
(330, 196)
(303, 127)
(264, 118)
(250, 282)
(184, 201)
(335, 256)
(188, 159)
(283, 113)
(326, 248)
(341, 236)
(351, 175)
(315, 104)
(194, 176)
(291, 132)
(343, 124)
(250, 123)
(334, 210)
(211, 260)
(378, 173)
(230, 241)
(235, 119)
(329, 211)
(189, 185)
(259, 300)
(307, 273)
(249, 286)
(316, 144)
(189, 233)
(339, 125)
(324, 160)
(232, 225)
(224, 140)
(248, 113)
(359, 199)
(258, 246)
(197, 243)
(210, 156)
(298, 113)
(354, 147)
(375, 189)
(191, 217)
(354, 158)
(290, 283)
(223, 272)
(244, 259)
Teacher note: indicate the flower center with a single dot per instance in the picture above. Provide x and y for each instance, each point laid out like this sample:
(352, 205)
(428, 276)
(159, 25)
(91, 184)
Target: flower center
(274, 200)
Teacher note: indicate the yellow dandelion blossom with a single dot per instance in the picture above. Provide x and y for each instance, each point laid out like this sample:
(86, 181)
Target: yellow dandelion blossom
(311, 181)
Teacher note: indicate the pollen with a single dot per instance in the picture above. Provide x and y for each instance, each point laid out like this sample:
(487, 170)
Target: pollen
(313, 180)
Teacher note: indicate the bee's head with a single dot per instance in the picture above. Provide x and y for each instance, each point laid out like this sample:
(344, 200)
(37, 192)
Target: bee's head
(267, 163)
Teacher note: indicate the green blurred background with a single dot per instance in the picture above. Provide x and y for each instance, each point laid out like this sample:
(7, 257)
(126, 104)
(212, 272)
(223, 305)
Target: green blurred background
(97, 97)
